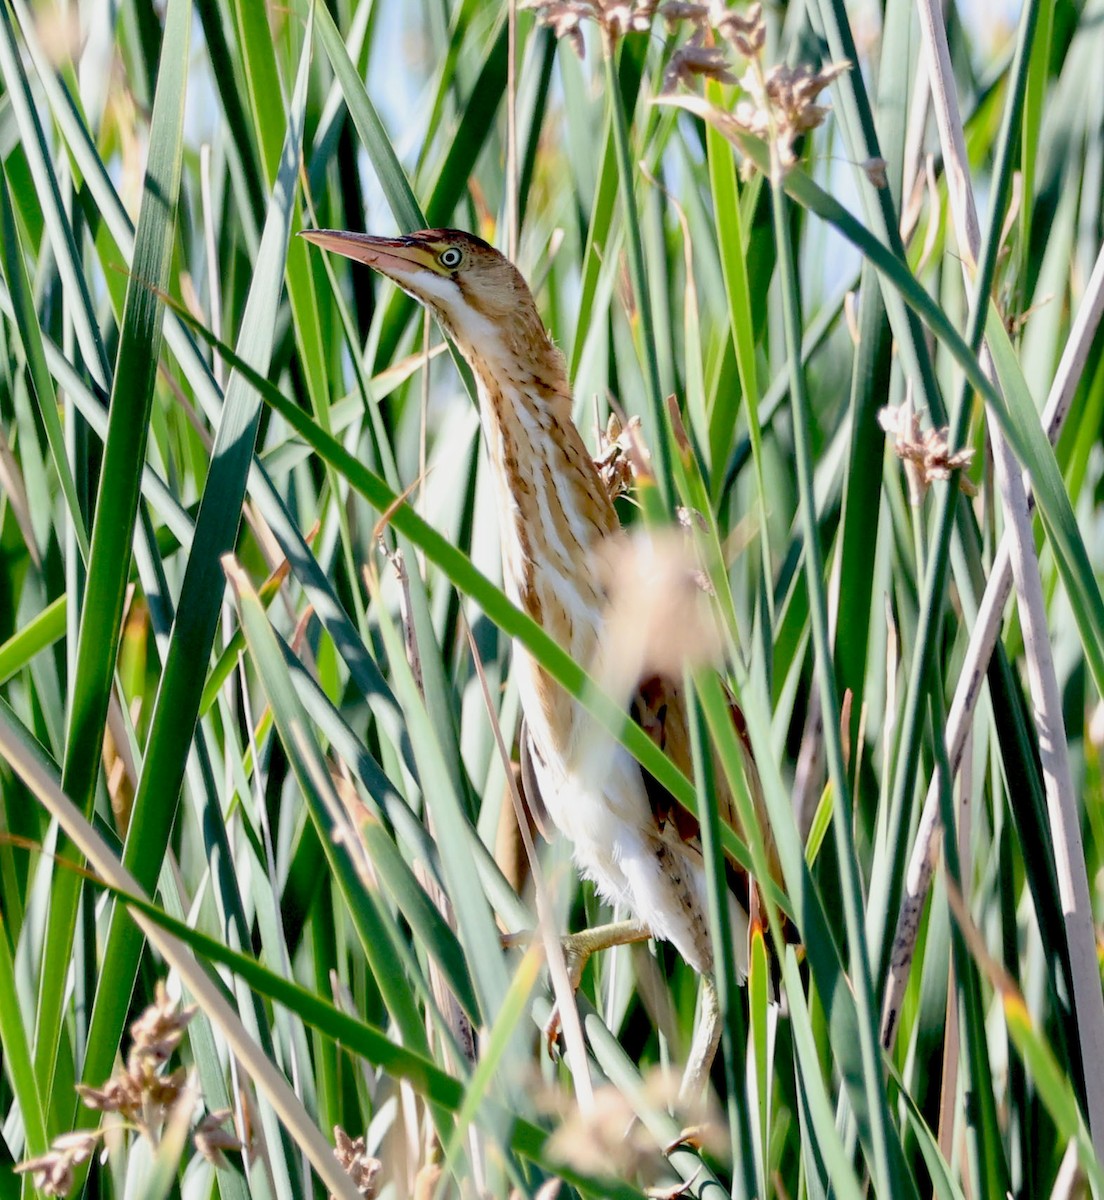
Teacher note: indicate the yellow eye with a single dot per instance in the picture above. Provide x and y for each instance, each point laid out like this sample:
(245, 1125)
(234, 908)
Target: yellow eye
(452, 257)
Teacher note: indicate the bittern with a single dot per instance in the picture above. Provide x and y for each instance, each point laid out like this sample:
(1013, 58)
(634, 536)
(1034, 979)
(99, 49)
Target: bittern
(628, 834)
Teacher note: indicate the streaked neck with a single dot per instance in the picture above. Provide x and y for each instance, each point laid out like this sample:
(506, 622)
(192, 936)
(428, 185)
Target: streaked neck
(554, 508)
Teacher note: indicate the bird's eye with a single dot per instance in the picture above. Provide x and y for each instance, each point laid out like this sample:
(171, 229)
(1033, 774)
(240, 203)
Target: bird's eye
(451, 257)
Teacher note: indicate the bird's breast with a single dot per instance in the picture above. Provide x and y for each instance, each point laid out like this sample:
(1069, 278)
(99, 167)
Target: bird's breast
(554, 514)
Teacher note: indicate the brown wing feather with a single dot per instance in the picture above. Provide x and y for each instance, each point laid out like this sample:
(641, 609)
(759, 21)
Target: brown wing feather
(659, 709)
(530, 789)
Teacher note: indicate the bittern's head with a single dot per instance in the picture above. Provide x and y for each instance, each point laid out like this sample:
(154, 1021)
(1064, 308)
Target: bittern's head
(478, 295)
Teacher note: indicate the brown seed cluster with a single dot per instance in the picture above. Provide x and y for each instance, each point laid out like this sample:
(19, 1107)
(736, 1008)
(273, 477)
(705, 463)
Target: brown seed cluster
(614, 461)
(778, 104)
(926, 453)
(142, 1094)
(358, 1164)
(614, 17)
(52, 1172)
(706, 54)
(211, 1138)
(744, 30)
(697, 59)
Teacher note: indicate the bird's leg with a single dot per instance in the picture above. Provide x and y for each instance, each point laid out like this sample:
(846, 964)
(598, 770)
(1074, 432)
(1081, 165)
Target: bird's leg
(703, 1049)
(578, 947)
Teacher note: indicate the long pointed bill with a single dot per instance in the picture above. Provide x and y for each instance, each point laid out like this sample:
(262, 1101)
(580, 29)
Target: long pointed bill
(391, 256)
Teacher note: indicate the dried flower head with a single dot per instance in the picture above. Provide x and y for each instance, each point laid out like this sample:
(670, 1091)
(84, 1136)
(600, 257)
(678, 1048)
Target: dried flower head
(563, 17)
(614, 17)
(633, 17)
(609, 1140)
(163, 1091)
(160, 1029)
(615, 460)
(211, 1139)
(745, 31)
(674, 12)
(926, 453)
(121, 1094)
(142, 1094)
(358, 1164)
(52, 1172)
(696, 59)
(780, 104)
(777, 106)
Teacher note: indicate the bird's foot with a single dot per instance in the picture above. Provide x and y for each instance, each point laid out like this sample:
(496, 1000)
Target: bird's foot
(577, 949)
(550, 1032)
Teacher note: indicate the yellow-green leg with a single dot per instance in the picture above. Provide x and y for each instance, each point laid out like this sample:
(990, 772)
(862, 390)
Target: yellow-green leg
(703, 1048)
(577, 948)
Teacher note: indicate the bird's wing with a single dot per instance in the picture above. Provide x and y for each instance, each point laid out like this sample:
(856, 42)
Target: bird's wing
(530, 788)
(659, 708)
